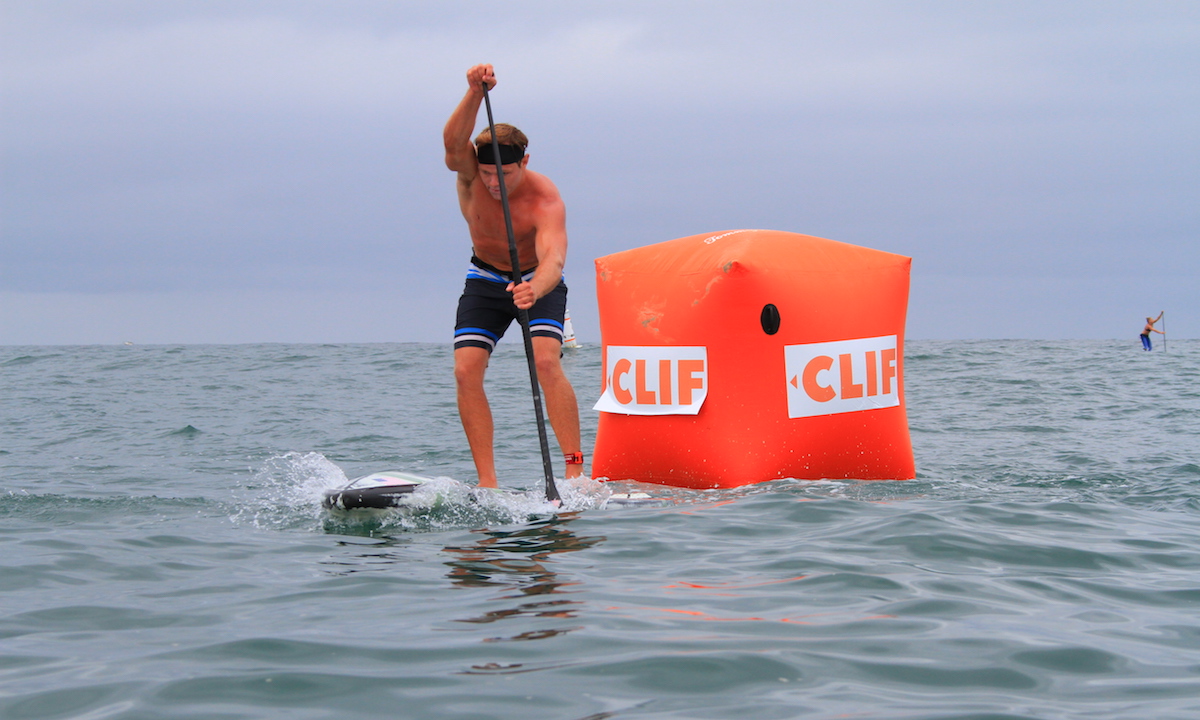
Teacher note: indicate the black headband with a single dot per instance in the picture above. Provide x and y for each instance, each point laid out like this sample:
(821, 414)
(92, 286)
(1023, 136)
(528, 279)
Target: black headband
(508, 154)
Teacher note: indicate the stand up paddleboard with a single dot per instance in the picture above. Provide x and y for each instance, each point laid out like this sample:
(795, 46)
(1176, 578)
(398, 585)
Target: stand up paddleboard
(392, 488)
(377, 491)
(389, 489)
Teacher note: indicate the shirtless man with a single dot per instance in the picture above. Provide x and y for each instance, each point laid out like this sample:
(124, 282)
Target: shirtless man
(490, 301)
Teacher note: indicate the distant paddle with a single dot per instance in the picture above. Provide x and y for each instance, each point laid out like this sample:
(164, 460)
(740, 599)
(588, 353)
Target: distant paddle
(551, 489)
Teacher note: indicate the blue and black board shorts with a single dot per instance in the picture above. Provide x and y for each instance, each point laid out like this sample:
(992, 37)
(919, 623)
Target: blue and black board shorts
(486, 308)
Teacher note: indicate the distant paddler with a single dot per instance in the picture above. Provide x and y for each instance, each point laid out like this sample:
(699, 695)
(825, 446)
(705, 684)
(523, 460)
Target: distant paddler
(1146, 344)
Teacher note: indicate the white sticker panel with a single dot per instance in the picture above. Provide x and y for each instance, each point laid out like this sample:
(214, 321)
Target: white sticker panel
(654, 380)
(844, 376)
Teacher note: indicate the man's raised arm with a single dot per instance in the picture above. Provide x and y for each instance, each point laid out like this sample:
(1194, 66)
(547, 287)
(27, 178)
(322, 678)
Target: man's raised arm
(460, 152)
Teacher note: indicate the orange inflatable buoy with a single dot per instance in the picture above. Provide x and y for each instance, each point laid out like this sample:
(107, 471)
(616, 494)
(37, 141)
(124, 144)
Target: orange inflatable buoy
(738, 357)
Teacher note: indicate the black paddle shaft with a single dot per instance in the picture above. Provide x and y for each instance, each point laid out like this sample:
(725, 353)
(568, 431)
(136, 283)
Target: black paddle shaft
(523, 315)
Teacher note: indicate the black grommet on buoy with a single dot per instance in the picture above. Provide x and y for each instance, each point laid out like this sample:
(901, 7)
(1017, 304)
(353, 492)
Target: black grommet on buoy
(769, 319)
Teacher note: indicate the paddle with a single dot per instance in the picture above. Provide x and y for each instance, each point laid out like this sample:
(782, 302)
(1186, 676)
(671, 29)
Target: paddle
(1163, 316)
(523, 315)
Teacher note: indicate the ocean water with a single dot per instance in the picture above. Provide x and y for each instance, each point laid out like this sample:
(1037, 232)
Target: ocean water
(163, 553)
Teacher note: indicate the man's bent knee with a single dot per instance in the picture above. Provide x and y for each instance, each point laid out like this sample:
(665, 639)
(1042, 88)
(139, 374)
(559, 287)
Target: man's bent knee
(547, 355)
(470, 364)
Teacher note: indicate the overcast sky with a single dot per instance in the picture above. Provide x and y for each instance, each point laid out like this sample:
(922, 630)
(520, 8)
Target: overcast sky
(272, 171)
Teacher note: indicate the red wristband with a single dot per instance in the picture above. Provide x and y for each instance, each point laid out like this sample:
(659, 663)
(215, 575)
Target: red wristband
(573, 458)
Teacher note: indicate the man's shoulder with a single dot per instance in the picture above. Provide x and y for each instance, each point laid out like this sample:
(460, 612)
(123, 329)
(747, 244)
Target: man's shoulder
(545, 189)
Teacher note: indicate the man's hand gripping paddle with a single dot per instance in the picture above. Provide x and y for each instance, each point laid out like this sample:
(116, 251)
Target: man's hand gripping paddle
(551, 489)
